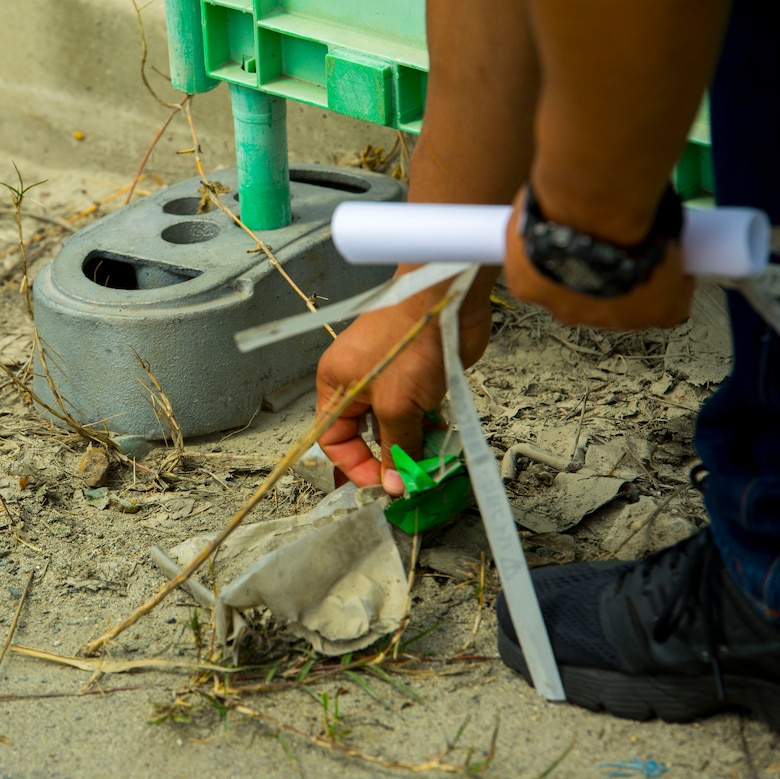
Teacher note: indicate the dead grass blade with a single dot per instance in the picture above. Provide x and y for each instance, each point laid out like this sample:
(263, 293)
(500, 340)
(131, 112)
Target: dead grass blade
(152, 144)
(84, 431)
(14, 696)
(15, 620)
(101, 665)
(18, 194)
(144, 55)
(175, 108)
(163, 410)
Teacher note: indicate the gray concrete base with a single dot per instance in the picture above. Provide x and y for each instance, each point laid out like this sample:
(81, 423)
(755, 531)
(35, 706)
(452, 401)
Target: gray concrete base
(158, 280)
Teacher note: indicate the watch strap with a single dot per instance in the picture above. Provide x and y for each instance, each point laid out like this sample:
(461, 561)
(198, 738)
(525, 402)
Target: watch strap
(594, 266)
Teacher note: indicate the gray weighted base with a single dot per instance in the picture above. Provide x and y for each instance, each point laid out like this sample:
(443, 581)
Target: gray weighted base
(157, 279)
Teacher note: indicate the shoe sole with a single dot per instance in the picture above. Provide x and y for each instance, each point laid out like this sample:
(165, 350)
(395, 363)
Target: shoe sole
(670, 698)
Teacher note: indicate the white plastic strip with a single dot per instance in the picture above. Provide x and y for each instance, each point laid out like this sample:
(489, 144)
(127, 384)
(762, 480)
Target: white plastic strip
(387, 294)
(722, 242)
(496, 513)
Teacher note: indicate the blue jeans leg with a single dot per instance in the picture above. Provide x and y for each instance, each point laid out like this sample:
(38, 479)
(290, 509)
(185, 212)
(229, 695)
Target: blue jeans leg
(738, 430)
(738, 438)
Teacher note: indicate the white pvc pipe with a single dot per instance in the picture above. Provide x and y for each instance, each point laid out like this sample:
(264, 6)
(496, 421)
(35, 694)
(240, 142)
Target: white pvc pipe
(724, 242)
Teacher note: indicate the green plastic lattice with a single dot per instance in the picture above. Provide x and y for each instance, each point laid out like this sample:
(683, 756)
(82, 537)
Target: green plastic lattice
(366, 59)
(363, 58)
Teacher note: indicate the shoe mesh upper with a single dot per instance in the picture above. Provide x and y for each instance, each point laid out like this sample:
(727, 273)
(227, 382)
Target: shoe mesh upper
(569, 596)
(672, 636)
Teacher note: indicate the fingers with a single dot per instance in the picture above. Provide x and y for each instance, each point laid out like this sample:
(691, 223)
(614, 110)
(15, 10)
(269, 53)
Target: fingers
(406, 432)
(345, 447)
(398, 398)
(342, 442)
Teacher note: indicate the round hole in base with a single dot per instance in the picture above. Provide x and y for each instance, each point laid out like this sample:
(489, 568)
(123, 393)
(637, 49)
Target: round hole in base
(191, 232)
(182, 206)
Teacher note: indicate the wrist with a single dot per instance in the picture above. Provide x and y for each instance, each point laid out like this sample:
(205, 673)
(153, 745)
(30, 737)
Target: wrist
(597, 203)
(588, 264)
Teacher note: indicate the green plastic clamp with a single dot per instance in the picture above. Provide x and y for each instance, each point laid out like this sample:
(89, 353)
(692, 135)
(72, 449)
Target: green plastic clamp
(437, 487)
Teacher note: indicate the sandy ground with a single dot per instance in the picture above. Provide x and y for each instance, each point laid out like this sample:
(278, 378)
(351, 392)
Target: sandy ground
(448, 703)
(77, 115)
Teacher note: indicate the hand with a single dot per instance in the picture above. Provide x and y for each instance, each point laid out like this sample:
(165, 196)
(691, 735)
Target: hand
(413, 384)
(662, 302)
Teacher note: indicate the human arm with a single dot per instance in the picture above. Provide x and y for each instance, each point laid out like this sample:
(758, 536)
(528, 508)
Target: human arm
(621, 85)
(475, 147)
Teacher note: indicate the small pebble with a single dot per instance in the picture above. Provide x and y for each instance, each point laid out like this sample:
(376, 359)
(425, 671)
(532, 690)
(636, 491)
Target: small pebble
(93, 467)
(134, 446)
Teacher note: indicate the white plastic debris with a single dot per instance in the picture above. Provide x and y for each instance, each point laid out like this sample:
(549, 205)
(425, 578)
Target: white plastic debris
(334, 576)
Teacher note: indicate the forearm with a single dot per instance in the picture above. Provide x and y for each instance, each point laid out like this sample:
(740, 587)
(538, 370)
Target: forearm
(476, 145)
(621, 84)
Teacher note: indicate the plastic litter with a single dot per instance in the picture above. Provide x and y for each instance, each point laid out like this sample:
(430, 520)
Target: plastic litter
(635, 767)
(333, 576)
(437, 487)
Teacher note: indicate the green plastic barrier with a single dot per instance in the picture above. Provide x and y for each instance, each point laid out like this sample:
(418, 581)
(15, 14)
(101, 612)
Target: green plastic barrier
(693, 176)
(366, 59)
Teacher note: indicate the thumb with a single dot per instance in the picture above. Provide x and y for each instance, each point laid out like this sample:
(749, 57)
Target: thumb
(408, 434)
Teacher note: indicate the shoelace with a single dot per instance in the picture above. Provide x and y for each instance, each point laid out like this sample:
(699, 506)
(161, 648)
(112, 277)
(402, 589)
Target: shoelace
(698, 477)
(697, 586)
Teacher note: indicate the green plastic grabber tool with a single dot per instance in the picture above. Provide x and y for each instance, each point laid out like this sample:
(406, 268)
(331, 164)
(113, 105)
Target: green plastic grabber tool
(437, 487)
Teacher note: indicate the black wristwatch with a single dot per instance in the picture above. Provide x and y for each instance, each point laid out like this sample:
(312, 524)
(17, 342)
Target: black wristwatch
(590, 265)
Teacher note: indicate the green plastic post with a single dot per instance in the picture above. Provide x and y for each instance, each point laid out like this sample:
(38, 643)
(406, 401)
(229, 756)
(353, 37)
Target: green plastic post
(261, 156)
(185, 47)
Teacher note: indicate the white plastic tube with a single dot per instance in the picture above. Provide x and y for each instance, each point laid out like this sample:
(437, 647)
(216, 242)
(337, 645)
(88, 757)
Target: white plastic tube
(723, 242)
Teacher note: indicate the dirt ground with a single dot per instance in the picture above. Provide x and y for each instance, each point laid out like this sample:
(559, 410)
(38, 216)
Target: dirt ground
(446, 704)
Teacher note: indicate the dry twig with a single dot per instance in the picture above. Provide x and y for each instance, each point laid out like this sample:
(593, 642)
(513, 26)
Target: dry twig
(15, 620)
